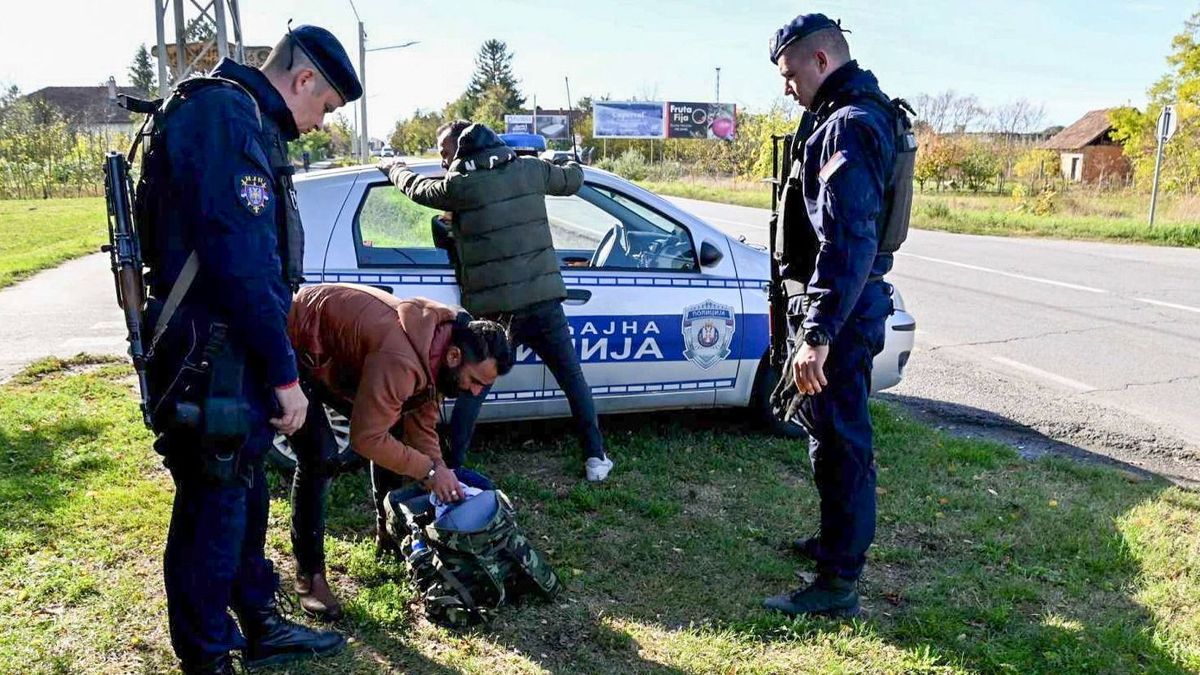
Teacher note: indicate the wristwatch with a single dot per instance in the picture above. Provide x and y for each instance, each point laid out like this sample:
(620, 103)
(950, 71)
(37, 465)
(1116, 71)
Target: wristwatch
(816, 338)
(429, 476)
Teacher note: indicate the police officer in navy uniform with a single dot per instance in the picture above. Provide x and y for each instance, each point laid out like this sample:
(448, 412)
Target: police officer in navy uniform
(226, 252)
(832, 211)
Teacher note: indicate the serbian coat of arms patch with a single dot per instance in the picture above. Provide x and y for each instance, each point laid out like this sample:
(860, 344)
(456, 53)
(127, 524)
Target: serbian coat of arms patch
(254, 193)
(707, 332)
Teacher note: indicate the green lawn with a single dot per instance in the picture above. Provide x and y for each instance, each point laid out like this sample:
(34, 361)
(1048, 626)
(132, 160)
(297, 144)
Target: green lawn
(36, 234)
(984, 562)
(1076, 215)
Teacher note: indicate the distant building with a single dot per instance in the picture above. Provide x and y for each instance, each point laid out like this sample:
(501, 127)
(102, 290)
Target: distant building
(1088, 152)
(89, 109)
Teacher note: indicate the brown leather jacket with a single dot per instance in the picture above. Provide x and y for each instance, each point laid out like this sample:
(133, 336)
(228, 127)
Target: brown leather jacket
(380, 353)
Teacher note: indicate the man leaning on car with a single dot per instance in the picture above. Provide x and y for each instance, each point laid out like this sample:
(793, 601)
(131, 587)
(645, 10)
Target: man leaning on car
(507, 267)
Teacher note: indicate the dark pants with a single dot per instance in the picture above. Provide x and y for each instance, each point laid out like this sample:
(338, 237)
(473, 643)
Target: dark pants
(543, 328)
(316, 457)
(316, 465)
(840, 442)
(214, 558)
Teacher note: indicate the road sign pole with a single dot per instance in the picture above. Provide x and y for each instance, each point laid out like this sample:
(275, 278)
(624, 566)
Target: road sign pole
(1154, 190)
(1164, 131)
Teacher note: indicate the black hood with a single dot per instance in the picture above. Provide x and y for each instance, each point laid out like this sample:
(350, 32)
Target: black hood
(479, 148)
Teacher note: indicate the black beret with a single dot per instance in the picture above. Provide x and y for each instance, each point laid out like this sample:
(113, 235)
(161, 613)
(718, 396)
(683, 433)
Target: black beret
(327, 54)
(800, 27)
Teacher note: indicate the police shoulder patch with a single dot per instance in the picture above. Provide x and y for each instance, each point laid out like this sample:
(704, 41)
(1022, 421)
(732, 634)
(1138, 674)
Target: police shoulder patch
(834, 163)
(254, 192)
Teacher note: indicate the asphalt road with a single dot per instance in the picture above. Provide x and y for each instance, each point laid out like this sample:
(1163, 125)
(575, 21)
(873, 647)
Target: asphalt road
(1096, 346)
(1052, 346)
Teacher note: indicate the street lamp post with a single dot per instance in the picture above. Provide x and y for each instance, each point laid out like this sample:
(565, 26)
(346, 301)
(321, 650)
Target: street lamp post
(364, 134)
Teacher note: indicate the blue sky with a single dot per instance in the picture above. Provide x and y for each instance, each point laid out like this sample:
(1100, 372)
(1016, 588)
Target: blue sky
(1070, 55)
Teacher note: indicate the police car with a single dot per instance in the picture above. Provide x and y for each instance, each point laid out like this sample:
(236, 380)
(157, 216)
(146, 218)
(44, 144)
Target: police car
(667, 311)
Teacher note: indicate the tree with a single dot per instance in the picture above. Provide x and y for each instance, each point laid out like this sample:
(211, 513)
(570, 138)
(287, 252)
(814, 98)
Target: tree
(494, 76)
(141, 72)
(1180, 86)
(417, 134)
(341, 135)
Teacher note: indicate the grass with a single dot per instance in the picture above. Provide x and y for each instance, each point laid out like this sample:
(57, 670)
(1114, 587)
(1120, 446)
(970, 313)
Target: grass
(1075, 215)
(391, 220)
(37, 234)
(983, 562)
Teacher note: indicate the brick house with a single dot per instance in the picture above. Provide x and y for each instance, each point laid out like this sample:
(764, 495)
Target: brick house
(89, 109)
(1088, 152)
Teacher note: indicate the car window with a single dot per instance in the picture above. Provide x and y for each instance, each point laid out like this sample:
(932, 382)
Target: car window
(603, 228)
(392, 230)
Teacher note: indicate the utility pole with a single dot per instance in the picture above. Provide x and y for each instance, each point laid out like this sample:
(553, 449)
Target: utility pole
(364, 136)
(364, 140)
(718, 98)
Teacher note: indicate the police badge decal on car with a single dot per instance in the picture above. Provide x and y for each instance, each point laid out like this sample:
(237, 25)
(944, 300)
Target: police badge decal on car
(707, 333)
(254, 193)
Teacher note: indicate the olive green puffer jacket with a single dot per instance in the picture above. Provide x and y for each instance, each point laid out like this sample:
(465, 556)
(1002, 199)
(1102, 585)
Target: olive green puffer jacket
(501, 232)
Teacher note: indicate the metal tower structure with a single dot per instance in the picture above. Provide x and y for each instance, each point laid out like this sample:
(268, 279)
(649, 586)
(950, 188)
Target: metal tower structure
(206, 31)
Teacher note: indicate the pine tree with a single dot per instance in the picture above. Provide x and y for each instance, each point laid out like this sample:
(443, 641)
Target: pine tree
(493, 73)
(141, 72)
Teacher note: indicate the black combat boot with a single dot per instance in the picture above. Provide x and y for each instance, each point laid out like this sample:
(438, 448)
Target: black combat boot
(272, 639)
(827, 596)
(221, 665)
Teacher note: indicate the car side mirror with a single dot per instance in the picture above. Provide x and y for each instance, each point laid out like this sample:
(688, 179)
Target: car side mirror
(710, 255)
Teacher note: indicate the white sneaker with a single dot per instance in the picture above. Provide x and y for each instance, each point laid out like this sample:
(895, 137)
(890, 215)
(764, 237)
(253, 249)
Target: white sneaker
(598, 468)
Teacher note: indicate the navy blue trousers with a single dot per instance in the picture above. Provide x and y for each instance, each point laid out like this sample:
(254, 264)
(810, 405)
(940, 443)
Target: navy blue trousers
(840, 439)
(214, 559)
(543, 328)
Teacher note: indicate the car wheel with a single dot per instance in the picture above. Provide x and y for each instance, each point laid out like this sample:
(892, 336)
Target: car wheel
(760, 403)
(283, 457)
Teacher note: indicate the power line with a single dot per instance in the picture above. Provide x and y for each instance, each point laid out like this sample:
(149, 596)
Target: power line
(355, 10)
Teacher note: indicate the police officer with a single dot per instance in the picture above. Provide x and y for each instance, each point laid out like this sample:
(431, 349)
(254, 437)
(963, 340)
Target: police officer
(217, 205)
(833, 211)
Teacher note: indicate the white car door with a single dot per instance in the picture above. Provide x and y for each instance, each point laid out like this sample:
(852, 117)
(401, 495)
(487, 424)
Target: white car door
(653, 327)
(384, 239)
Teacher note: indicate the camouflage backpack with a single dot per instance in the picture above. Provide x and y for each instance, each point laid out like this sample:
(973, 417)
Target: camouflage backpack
(469, 562)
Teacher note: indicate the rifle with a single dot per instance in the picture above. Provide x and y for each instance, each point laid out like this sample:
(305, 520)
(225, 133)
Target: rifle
(125, 252)
(777, 295)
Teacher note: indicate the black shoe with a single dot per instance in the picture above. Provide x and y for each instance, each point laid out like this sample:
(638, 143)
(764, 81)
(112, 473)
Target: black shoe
(272, 639)
(827, 596)
(221, 665)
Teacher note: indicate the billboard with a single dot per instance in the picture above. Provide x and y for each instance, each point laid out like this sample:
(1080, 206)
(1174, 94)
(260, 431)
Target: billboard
(628, 119)
(553, 127)
(701, 120)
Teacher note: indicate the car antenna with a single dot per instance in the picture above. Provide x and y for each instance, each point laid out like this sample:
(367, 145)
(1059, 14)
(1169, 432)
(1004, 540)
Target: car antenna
(570, 111)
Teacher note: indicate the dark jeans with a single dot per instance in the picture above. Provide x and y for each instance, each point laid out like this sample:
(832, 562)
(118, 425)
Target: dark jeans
(316, 465)
(543, 328)
(840, 442)
(214, 558)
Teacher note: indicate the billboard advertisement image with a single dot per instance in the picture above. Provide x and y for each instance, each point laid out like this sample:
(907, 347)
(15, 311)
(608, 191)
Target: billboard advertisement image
(553, 127)
(701, 120)
(628, 119)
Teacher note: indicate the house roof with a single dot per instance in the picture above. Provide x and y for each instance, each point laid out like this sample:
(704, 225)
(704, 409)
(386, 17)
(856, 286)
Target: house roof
(1083, 132)
(87, 105)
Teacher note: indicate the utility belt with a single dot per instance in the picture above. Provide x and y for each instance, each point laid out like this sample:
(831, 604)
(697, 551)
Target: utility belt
(198, 402)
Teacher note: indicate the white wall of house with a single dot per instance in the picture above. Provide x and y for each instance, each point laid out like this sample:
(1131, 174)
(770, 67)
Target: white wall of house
(1072, 166)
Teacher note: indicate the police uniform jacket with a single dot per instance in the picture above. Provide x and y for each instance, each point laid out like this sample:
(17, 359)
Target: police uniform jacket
(833, 218)
(221, 200)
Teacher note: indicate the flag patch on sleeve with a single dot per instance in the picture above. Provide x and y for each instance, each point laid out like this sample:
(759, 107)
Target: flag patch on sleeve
(835, 162)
